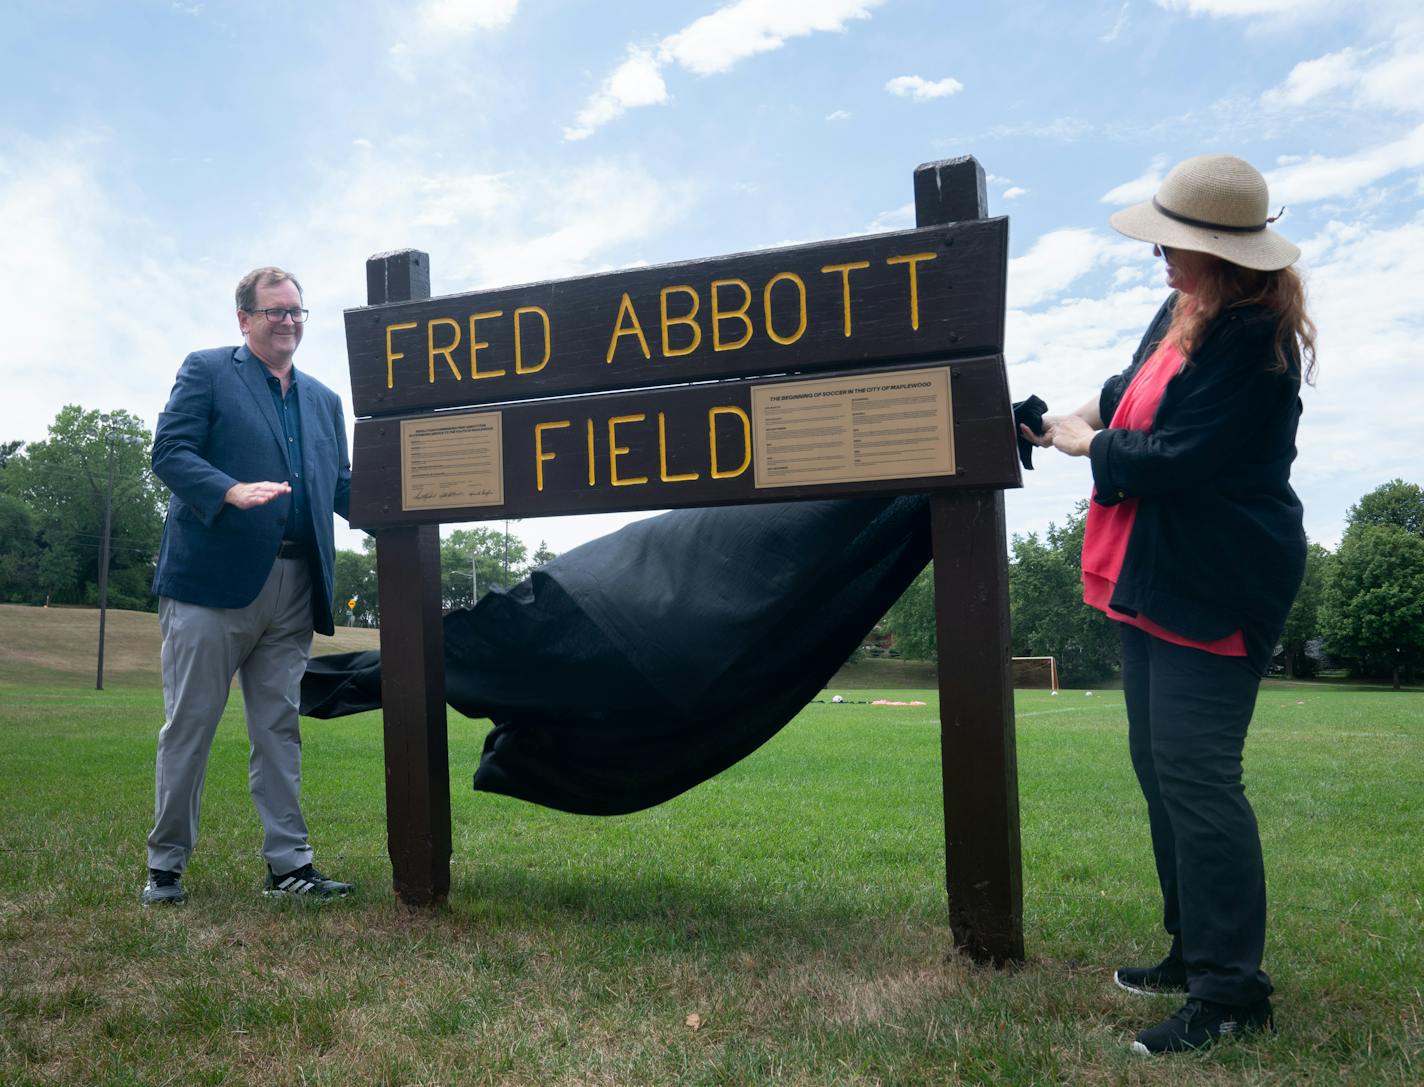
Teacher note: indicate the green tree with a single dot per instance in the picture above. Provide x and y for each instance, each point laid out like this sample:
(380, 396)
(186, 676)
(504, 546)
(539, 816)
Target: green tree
(1372, 608)
(63, 480)
(19, 557)
(541, 555)
(494, 557)
(1047, 615)
(355, 575)
(1302, 624)
(912, 618)
(1393, 503)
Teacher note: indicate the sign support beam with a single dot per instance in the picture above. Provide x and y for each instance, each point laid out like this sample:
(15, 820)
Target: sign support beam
(412, 661)
(983, 865)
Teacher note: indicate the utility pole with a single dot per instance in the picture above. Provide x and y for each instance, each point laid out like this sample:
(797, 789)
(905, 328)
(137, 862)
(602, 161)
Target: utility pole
(113, 435)
(104, 550)
(474, 581)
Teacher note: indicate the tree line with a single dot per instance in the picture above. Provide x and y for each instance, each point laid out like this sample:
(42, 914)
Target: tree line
(52, 498)
(1361, 607)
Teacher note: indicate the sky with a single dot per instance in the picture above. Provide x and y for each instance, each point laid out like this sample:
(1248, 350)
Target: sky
(152, 152)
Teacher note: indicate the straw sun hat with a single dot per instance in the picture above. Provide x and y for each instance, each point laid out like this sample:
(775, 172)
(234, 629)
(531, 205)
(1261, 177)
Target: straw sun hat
(1214, 204)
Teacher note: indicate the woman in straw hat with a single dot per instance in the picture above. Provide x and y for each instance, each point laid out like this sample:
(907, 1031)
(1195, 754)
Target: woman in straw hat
(1194, 544)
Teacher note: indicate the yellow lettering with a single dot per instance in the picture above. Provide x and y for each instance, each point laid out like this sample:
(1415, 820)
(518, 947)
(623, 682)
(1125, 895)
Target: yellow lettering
(539, 455)
(447, 350)
(689, 318)
(476, 344)
(615, 450)
(626, 306)
(392, 354)
(592, 463)
(719, 315)
(913, 260)
(845, 270)
(790, 277)
(662, 455)
(519, 367)
(731, 409)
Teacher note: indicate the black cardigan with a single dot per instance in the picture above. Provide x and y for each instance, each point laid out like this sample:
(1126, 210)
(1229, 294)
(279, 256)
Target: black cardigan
(1218, 543)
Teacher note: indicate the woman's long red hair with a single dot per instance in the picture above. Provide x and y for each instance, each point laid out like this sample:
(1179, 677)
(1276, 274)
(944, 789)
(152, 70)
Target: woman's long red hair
(1223, 285)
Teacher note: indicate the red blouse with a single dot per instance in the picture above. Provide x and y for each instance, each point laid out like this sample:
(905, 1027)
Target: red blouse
(1109, 527)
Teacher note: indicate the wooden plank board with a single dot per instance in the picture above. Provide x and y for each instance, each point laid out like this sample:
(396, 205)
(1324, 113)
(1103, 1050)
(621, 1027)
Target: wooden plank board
(412, 665)
(653, 449)
(983, 865)
(856, 302)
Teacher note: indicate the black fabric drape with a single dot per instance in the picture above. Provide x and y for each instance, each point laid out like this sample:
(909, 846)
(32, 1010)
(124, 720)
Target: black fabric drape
(630, 669)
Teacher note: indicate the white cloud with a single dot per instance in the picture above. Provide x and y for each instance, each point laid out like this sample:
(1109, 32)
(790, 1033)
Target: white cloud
(1389, 77)
(1058, 259)
(1119, 24)
(435, 30)
(1140, 188)
(1312, 78)
(922, 90)
(838, 115)
(464, 16)
(901, 218)
(1014, 192)
(715, 42)
(1321, 177)
(79, 314)
(711, 45)
(1243, 8)
(635, 82)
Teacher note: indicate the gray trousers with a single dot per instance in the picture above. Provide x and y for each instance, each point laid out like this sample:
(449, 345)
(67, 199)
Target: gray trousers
(267, 643)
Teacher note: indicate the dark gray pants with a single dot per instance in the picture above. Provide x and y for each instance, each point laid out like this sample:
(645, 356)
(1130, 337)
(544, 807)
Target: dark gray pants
(1187, 714)
(267, 644)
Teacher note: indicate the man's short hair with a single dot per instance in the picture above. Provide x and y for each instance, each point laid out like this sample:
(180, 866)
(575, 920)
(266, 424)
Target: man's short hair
(261, 277)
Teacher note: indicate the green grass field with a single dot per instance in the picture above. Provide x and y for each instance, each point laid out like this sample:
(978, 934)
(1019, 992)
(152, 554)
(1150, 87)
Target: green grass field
(795, 905)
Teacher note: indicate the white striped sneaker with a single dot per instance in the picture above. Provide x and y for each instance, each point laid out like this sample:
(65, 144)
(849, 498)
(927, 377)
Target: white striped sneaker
(305, 882)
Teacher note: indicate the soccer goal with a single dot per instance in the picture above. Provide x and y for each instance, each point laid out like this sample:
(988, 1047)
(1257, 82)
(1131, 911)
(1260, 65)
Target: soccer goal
(1035, 673)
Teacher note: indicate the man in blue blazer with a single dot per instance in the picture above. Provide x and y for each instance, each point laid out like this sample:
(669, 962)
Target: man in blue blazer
(255, 455)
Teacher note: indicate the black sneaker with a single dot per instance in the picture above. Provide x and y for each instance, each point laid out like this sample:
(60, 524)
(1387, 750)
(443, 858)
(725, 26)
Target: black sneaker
(1168, 976)
(164, 888)
(305, 882)
(1199, 1023)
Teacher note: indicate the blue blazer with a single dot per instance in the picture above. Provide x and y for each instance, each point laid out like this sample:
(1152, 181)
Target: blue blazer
(220, 427)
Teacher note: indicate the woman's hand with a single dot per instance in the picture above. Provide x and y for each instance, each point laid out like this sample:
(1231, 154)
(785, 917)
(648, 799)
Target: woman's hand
(1044, 440)
(1071, 434)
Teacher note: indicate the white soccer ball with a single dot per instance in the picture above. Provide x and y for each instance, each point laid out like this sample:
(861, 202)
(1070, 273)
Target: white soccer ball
(1088, 693)
(1053, 694)
(837, 698)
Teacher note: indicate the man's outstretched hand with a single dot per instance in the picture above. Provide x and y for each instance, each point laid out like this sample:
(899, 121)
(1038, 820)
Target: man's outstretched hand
(246, 495)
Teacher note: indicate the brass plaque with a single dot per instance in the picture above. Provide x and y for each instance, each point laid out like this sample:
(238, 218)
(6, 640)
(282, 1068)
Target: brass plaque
(897, 425)
(453, 462)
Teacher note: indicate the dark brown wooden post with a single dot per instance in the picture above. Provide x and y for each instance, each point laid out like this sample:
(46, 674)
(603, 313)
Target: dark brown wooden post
(412, 660)
(983, 870)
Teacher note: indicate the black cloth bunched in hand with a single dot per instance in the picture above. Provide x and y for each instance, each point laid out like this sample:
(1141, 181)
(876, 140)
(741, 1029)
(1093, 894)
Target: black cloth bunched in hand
(638, 665)
(1030, 413)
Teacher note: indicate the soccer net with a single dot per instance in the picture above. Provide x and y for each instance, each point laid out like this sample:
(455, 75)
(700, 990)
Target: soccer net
(1035, 673)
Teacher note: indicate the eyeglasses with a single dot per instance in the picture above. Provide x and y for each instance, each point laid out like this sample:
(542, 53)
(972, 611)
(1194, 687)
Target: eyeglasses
(274, 314)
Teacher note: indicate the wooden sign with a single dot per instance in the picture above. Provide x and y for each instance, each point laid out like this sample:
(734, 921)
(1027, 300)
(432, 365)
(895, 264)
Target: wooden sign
(866, 365)
(866, 432)
(879, 299)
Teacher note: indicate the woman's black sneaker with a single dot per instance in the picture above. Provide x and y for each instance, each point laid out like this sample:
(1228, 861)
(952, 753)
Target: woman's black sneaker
(1168, 976)
(1198, 1024)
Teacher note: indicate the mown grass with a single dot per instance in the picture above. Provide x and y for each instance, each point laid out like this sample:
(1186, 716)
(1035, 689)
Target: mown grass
(795, 904)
